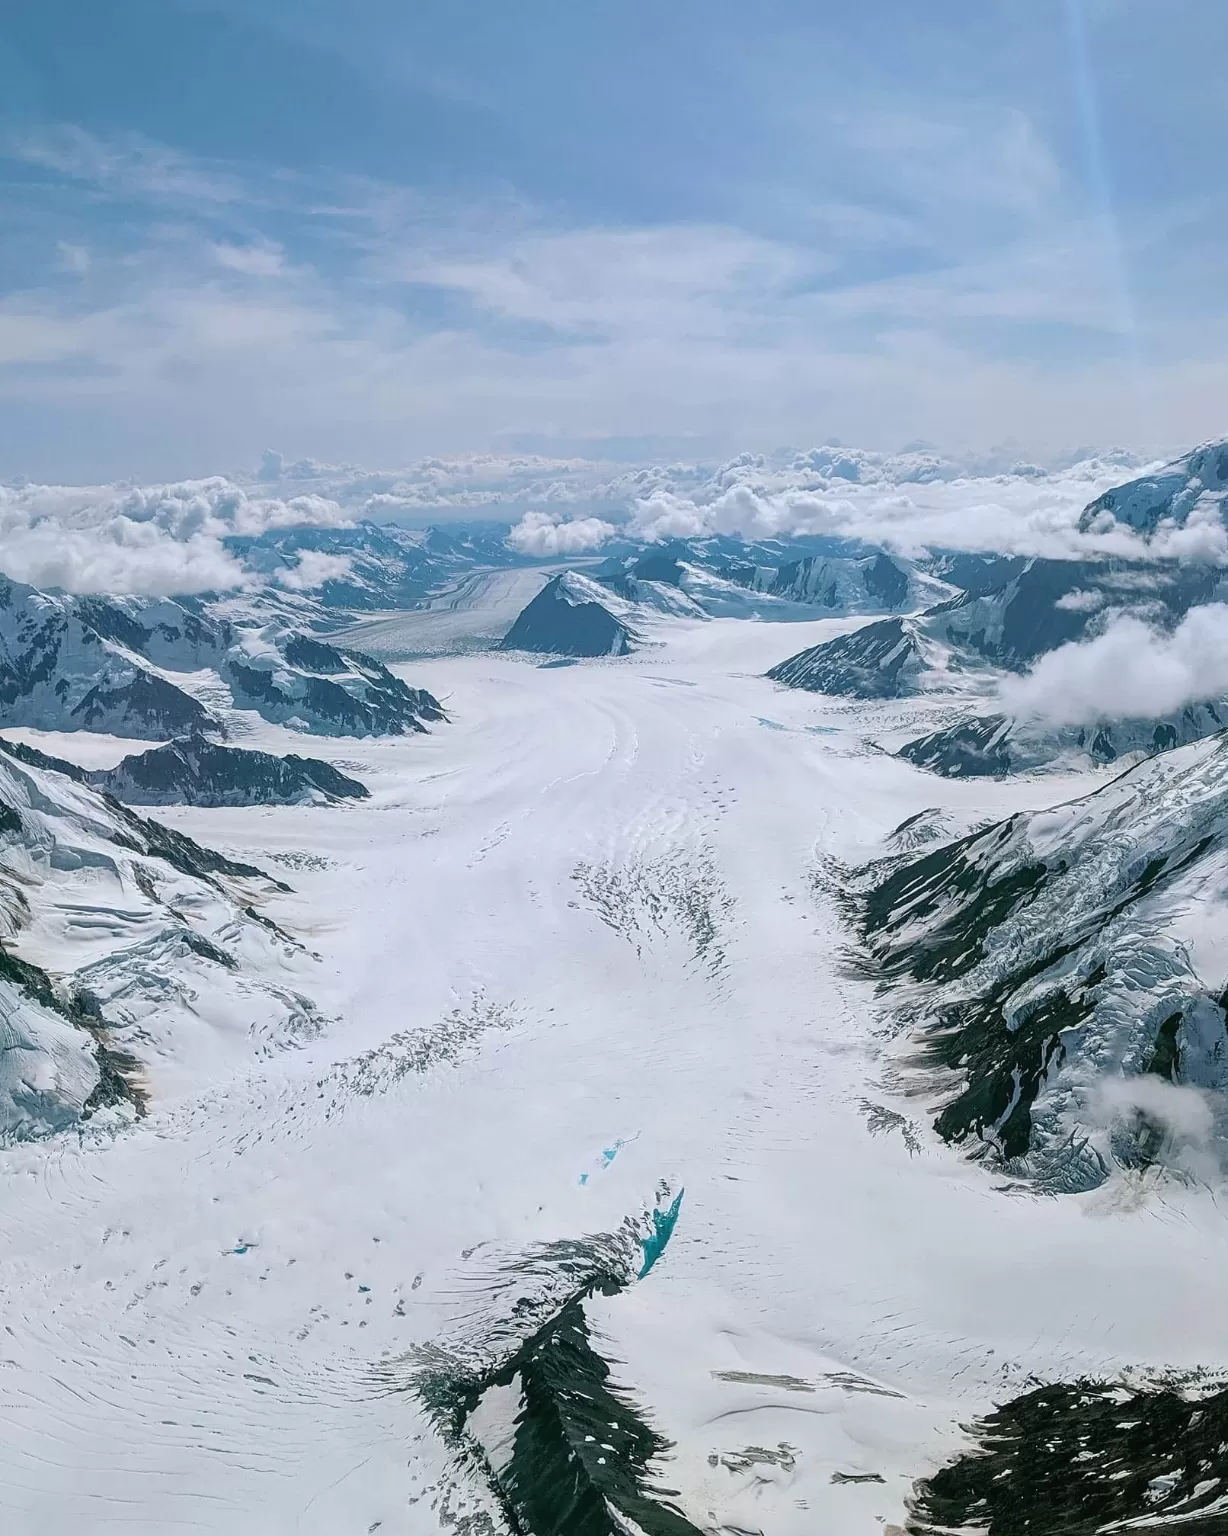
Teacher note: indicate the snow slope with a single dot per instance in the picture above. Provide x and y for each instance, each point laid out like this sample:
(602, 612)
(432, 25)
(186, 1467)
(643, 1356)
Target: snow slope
(130, 955)
(133, 667)
(571, 949)
(999, 744)
(1188, 493)
(1060, 979)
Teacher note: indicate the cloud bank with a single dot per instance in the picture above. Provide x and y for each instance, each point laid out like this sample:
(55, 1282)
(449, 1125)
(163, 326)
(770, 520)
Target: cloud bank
(1132, 671)
(148, 540)
(168, 538)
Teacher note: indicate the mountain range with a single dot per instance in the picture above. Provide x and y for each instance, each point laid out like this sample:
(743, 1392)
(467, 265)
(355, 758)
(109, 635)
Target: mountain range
(157, 669)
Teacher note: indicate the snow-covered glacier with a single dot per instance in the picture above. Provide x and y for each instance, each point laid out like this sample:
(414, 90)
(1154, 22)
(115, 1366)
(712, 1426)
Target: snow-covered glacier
(573, 1134)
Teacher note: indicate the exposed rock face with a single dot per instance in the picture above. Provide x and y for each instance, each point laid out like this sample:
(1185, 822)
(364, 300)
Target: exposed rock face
(996, 745)
(101, 664)
(1050, 969)
(568, 617)
(196, 771)
(880, 661)
(323, 688)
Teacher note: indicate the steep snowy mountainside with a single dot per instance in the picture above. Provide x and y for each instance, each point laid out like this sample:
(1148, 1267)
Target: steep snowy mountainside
(133, 667)
(78, 664)
(975, 574)
(573, 616)
(1189, 492)
(876, 583)
(1043, 604)
(727, 578)
(1058, 977)
(326, 689)
(887, 659)
(994, 745)
(195, 771)
(132, 960)
(1053, 602)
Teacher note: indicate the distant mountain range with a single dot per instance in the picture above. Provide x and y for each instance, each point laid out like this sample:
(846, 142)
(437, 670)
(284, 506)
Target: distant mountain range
(594, 613)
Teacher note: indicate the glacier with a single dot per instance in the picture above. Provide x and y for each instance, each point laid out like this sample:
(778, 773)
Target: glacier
(345, 1143)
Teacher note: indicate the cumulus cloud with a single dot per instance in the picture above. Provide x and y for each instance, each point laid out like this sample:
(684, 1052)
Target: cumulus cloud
(148, 540)
(916, 503)
(549, 533)
(314, 568)
(1131, 671)
(1080, 601)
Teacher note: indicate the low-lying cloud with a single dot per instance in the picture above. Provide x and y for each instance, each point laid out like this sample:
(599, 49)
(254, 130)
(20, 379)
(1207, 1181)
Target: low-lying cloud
(313, 569)
(1133, 670)
(544, 534)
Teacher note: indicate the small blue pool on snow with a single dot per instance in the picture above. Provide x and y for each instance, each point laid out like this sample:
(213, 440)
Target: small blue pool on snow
(607, 1156)
(663, 1224)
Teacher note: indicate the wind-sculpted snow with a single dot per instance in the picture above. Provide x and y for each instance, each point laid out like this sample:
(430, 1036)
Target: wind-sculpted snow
(160, 962)
(1049, 967)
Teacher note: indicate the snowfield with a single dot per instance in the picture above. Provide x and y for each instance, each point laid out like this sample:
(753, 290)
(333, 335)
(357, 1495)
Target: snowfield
(571, 953)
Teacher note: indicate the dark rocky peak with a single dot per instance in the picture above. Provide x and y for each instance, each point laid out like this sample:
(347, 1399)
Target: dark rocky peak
(196, 771)
(569, 618)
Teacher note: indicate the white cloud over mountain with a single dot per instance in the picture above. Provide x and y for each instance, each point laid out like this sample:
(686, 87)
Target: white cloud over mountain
(155, 540)
(167, 538)
(1132, 670)
(545, 533)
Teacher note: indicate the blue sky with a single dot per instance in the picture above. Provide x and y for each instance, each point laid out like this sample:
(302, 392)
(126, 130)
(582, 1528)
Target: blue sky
(373, 230)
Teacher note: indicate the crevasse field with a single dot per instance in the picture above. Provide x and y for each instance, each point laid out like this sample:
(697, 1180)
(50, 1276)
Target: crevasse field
(580, 955)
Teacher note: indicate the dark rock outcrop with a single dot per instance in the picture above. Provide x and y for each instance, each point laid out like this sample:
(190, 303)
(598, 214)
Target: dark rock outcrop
(567, 618)
(195, 771)
(879, 661)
